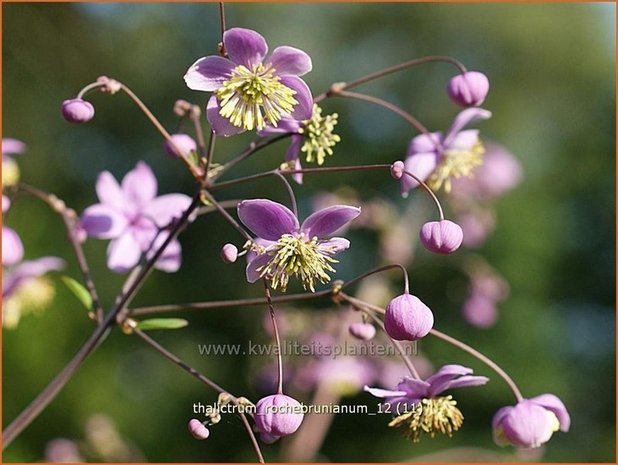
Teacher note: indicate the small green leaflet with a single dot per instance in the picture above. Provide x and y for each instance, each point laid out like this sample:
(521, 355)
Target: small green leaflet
(79, 291)
(162, 323)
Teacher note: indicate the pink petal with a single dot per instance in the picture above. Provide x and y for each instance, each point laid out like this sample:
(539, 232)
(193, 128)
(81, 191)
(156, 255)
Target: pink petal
(209, 73)
(244, 46)
(555, 405)
(109, 192)
(465, 117)
(267, 219)
(252, 267)
(171, 258)
(165, 208)
(218, 123)
(12, 146)
(12, 247)
(421, 165)
(292, 155)
(304, 109)
(289, 60)
(328, 220)
(123, 253)
(103, 222)
(139, 185)
(334, 245)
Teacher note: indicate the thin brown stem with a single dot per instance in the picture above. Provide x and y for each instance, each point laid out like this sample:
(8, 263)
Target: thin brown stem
(226, 215)
(271, 309)
(222, 19)
(210, 153)
(204, 379)
(380, 270)
(427, 189)
(290, 192)
(386, 71)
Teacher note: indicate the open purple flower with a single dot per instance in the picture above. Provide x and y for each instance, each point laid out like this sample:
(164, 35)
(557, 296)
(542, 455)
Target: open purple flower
(419, 406)
(313, 137)
(132, 216)
(531, 422)
(249, 89)
(284, 248)
(436, 157)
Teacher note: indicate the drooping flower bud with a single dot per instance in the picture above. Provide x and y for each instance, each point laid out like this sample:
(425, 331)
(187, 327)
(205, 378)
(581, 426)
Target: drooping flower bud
(77, 111)
(531, 422)
(407, 318)
(442, 236)
(181, 145)
(397, 169)
(229, 253)
(278, 415)
(468, 89)
(362, 331)
(198, 430)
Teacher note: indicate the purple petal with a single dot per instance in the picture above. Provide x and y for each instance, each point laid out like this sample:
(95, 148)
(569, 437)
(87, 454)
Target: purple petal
(267, 219)
(244, 46)
(416, 388)
(496, 425)
(445, 375)
(425, 143)
(12, 146)
(6, 203)
(421, 165)
(525, 425)
(383, 393)
(218, 123)
(103, 222)
(12, 247)
(290, 61)
(334, 245)
(284, 126)
(139, 185)
(254, 265)
(209, 73)
(555, 405)
(465, 117)
(328, 220)
(251, 254)
(464, 381)
(109, 192)
(463, 140)
(171, 258)
(304, 109)
(123, 253)
(166, 208)
(292, 155)
(29, 269)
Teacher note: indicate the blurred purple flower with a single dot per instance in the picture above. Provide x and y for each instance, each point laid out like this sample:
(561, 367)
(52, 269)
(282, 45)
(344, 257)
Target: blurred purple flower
(477, 224)
(531, 422)
(12, 247)
(131, 215)
(283, 248)
(486, 291)
(250, 90)
(436, 158)
(12, 146)
(10, 170)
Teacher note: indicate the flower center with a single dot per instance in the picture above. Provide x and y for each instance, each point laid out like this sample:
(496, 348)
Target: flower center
(455, 164)
(430, 416)
(319, 136)
(296, 256)
(253, 97)
(32, 296)
(10, 172)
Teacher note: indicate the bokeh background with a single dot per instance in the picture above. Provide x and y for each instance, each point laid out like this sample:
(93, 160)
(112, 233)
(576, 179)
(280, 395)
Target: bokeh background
(553, 99)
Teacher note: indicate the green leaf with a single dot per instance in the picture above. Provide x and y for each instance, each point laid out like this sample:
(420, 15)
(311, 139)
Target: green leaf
(162, 323)
(79, 291)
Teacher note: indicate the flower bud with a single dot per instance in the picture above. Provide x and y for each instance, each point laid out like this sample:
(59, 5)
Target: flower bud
(198, 430)
(278, 415)
(77, 111)
(407, 318)
(531, 422)
(181, 145)
(442, 236)
(397, 169)
(468, 89)
(229, 253)
(362, 331)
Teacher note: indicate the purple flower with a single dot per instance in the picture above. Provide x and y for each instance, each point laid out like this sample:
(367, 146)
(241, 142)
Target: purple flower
(313, 137)
(363, 331)
(407, 318)
(12, 147)
(468, 89)
(283, 248)
(419, 406)
(486, 291)
(197, 429)
(181, 145)
(77, 111)
(441, 237)
(12, 247)
(131, 215)
(278, 415)
(24, 289)
(436, 158)
(531, 422)
(249, 89)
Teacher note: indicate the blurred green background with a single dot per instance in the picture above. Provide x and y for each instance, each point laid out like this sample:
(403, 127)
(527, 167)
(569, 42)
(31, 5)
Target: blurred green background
(553, 98)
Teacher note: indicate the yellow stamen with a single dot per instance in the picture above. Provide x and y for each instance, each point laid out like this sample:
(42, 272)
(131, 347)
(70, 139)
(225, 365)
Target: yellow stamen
(298, 256)
(251, 98)
(31, 297)
(10, 172)
(430, 416)
(319, 136)
(455, 164)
